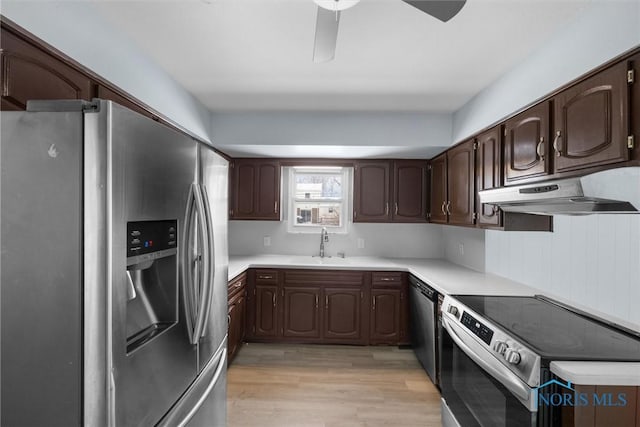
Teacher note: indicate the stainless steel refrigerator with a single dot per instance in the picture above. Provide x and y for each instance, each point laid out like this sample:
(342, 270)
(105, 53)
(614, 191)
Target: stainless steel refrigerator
(113, 270)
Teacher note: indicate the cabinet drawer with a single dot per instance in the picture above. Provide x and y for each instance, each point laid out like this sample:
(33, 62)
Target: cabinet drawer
(386, 278)
(236, 285)
(267, 276)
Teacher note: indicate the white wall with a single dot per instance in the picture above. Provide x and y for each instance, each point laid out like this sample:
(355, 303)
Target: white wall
(388, 240)
(419, 135)
(464, 246)
(603, 31)
(76, 29)
(591, 261)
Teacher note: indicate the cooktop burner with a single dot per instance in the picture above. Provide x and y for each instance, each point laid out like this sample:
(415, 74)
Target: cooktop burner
(554, 332)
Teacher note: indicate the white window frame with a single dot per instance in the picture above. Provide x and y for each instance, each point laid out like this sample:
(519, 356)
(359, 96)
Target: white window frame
(345, 211)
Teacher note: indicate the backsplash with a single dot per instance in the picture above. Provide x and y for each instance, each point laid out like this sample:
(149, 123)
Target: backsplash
(388, 240)
(590, 261)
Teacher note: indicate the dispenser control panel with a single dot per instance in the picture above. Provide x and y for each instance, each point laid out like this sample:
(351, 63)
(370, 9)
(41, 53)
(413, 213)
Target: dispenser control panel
(144, 237)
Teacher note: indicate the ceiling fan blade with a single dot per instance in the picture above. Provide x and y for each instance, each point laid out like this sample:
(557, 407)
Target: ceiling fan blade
(326, 35)
(443, 10)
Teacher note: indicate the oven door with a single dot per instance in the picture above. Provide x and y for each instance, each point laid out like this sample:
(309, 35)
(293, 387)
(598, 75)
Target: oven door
(474, 397)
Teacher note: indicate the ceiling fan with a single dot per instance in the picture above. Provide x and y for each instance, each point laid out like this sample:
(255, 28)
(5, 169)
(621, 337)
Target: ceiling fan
(328, 20)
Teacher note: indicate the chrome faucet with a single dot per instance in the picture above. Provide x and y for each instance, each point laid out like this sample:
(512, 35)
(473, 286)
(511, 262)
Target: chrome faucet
(324, 238)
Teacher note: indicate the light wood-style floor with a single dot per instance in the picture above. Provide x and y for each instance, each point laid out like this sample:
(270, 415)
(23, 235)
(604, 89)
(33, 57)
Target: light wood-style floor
(327, 385)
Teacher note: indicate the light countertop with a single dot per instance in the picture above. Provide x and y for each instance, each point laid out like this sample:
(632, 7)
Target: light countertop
(445, 277)
(598, 373)
(450, 279)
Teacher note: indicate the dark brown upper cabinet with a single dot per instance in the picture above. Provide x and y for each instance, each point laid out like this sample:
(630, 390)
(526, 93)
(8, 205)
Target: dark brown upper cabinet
(31, 73)
(633, 77)
(452, 186)
(460, 184)
(591, 121)
(371, 185)
(390, 191)
(439, 189)
(488, 174)
(410, 191)
(527, 144)
(255, 189)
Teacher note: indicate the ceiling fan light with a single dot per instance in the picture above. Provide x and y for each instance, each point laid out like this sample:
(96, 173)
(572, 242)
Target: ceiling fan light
(336, 5)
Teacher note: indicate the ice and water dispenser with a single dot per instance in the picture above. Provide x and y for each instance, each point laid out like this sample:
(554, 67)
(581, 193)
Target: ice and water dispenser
(152, 280)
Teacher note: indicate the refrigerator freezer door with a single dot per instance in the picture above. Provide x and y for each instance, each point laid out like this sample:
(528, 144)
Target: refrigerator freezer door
(204, 403)
(213, 180)
(41, 274)
(151, 170)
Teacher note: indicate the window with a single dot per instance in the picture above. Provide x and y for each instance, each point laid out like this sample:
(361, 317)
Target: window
(318, 198)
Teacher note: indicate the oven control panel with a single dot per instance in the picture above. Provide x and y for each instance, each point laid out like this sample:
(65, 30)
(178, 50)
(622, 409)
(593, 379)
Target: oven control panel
(480, 330)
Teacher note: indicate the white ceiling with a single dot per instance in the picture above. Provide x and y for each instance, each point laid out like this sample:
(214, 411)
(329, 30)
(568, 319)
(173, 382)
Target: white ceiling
(248, 55)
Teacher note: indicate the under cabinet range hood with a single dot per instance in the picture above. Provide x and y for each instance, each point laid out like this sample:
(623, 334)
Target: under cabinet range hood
(607, 192)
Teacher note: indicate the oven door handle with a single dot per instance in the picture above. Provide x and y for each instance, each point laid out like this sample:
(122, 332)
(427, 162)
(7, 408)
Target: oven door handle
(496, 369)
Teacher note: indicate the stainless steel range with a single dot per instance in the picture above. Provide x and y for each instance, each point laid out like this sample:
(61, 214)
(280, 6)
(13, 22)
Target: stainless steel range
(496, 351)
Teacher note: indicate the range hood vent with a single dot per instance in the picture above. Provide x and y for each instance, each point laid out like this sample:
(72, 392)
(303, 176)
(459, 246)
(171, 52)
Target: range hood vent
(614, 191)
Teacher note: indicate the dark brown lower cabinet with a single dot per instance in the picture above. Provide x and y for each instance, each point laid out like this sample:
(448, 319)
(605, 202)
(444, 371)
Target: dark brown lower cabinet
(385, 316)
(614, 413)
(301, 315)
(236, 325)
(237, 297)
(343, 315)
(327, 306)
(266, 313)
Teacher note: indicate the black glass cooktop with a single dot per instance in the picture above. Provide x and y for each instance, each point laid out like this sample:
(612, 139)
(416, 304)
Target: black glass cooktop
(554, 332)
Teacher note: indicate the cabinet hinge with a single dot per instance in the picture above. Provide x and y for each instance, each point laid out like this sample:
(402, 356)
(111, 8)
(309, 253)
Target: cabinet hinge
(230, 212)
(631, 76)
(429, 215)
(475, 145)
(429, 167)
(355, 214)
(231, 164)
(475, 216)
(630, 141)
(504, 131)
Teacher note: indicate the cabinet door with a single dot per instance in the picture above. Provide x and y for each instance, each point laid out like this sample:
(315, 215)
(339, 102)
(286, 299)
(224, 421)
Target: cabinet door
(30, 73)
(634, 113)
(488, 174)
(591, 121)
(371, 192)
(266, 313)
(385, 316)
(268, 190)
(460, 184)
(527, 144)
(243, 181)
(343, 315)
(236, 318)
(301, 313)
(255, 189)
(438, 189)
(410, 191)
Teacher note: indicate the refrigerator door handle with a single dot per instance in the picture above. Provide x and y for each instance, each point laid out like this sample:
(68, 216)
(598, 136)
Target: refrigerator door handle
(187, 274)
(208, 295)
(204, 291)
(177, 416)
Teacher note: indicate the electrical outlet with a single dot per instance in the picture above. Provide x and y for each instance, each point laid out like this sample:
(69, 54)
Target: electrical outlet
(461, 248)
(266, 240)
(360, 243)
